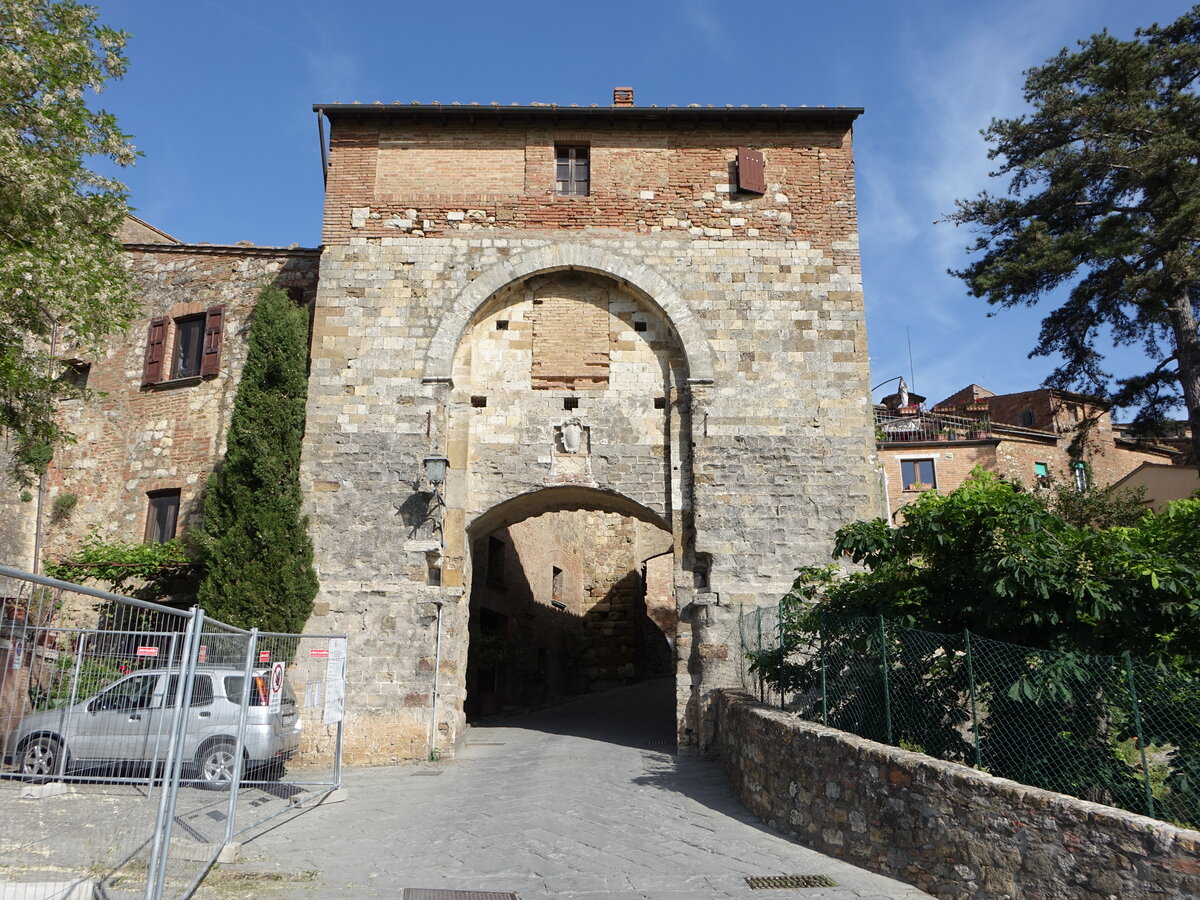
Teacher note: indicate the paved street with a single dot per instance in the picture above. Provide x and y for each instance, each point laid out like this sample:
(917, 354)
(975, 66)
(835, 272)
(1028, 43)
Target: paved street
(578, 801)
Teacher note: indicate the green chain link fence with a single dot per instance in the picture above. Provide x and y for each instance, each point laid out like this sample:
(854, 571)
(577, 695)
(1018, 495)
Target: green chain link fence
(1106, 729)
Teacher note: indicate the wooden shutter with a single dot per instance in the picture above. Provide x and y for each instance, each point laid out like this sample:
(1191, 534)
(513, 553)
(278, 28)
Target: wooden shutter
(156, 340)
(214, 321)
(751, 171)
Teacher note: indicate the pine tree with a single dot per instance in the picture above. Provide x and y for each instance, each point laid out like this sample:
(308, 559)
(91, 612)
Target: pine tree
(254, 545)
(1104, 198)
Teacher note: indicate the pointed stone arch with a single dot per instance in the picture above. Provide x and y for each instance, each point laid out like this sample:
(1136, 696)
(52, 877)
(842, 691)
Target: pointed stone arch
(643, 280)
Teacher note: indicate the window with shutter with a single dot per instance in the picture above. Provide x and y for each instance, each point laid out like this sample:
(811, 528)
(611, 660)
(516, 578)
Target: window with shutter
(189, 346)
(751, 171)
(156, 340)
(214, 322)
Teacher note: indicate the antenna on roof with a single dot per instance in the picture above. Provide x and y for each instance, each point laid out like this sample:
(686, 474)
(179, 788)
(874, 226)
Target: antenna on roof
(911, 376)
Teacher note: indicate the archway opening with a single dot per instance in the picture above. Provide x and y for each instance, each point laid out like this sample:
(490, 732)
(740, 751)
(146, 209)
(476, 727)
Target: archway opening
(566, 602)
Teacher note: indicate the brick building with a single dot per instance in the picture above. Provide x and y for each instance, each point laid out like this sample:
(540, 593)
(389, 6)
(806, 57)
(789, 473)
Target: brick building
(1029, 437)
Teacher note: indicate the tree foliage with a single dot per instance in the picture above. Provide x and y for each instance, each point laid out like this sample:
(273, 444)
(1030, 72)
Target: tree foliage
(253, 543)
(993, 559)
(1104, 196)
(996, 561)
(61, 274)
(147, 571)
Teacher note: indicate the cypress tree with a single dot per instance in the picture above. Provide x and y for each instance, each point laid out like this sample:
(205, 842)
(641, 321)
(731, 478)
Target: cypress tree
(254, 545)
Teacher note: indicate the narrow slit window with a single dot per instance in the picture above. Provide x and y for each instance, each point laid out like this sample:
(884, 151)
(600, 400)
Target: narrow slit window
(556, 588)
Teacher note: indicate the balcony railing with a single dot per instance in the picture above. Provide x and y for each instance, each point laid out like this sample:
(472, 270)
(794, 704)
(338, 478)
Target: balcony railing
(914, 425)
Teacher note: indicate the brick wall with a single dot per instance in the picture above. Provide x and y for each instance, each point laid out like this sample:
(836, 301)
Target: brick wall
(1013, 456)
(391, 177)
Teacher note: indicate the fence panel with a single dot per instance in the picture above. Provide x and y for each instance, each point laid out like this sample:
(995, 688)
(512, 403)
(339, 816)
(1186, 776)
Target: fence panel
(1103, 729)
(311, 696)
(139, 739)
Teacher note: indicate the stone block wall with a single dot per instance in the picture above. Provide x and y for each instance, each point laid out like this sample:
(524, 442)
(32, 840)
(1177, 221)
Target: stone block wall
(955, 832)
(460, 307)
(134, 438)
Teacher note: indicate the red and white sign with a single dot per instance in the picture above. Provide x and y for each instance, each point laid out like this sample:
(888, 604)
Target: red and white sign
(276, 697)
(147, 651)
(203, 654)
(318, 653)
(264, 655)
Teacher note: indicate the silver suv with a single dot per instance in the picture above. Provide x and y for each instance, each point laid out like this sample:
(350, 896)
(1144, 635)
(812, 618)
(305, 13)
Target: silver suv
(128, 724)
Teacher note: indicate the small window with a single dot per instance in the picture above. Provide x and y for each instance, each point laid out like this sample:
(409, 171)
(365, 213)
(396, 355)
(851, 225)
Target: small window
(136, 692)
(479, 402)
(570, 403)
(1081, 476)
(162, 515)
(495, 562)
(202, 691)
(917, 474)
(1041, 474)
(189, 347)
(1027, 417)
(75, 373)
(502, 324)
(639, 325)
(660, 402)
(571, 171)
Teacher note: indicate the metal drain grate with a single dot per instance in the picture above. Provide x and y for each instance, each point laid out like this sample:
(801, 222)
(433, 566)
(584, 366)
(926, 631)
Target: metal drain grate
(485, 743)
(428, 774)
(435, 894)
(757, 882)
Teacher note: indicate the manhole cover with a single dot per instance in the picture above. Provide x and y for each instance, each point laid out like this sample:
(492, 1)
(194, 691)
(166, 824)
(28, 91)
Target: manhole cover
(435, 894)
(789, 881)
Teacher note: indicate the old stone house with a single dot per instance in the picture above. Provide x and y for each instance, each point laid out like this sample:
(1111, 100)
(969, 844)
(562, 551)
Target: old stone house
(163, 393)
(1027, 437)
(634, 334)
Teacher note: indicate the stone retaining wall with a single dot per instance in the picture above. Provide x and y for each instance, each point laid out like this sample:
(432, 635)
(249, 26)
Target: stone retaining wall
(948, 829)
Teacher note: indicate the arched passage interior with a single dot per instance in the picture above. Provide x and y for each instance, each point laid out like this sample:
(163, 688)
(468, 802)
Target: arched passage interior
(571, 592)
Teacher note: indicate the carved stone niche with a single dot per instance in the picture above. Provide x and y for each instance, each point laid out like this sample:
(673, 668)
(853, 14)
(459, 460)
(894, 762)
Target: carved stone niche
(570, 457)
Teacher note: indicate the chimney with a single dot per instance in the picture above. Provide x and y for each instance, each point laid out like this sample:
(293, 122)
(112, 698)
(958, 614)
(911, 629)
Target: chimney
(622, 96)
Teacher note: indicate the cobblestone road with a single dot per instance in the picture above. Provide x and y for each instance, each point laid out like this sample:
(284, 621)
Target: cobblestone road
(579, 801)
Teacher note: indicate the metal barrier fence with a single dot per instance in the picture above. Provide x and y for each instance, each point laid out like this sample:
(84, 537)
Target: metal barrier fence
(1105, 729)
(140, 740)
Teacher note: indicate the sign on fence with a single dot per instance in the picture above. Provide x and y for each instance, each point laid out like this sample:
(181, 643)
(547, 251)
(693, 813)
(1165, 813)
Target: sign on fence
(335, 682)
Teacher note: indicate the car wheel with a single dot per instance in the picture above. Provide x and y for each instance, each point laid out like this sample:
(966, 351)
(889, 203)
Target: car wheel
(43, 758)
(216, 763)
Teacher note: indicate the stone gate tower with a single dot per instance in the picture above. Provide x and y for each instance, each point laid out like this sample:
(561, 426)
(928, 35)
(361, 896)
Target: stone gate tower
(654, 313)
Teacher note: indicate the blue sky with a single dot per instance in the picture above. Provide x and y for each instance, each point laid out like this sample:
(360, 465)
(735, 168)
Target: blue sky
(219, 98)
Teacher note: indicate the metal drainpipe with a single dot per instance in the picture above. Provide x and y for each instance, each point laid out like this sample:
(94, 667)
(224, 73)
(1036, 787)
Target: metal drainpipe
(437, 666)
(41, 494)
